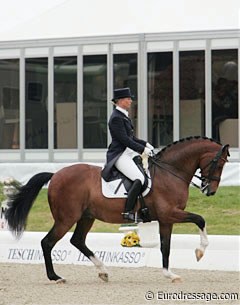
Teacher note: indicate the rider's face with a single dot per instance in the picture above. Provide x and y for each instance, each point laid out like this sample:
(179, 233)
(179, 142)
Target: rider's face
(125, 103)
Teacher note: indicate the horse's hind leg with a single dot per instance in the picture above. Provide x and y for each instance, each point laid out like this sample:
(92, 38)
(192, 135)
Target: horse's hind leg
(48, 242)
(78, 240)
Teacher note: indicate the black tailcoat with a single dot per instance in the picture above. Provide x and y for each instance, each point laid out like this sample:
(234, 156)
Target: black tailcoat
(122, 133)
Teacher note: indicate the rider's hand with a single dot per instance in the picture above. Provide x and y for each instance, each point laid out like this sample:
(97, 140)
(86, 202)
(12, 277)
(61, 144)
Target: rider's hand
(147, 151)
(148, 145)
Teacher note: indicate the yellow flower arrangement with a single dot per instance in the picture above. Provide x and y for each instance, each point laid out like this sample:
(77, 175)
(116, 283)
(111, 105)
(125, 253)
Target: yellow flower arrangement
(131, 239)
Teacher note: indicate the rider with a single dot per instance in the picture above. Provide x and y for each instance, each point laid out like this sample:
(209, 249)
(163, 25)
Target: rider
(125, 146)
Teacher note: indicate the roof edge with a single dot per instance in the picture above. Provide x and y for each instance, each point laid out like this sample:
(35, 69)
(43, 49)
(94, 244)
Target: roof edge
(121, 38)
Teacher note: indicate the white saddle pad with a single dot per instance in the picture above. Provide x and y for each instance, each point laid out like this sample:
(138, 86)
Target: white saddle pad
(112, 190)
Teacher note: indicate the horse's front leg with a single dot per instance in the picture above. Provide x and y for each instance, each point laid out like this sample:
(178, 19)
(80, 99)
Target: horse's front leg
(200, 222)
(183, 217)
(165, 238)
(199, 252)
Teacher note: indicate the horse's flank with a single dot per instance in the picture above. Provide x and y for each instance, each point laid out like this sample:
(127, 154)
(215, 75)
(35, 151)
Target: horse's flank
(79, 186)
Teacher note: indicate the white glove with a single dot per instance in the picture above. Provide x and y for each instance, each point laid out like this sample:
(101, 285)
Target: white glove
(148, 145)
(147, 151)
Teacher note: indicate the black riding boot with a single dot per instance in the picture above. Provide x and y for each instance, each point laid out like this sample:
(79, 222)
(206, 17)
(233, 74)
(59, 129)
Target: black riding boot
(133, 193)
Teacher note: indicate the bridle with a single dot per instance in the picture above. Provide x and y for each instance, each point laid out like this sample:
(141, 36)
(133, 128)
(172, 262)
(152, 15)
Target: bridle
(205, 179)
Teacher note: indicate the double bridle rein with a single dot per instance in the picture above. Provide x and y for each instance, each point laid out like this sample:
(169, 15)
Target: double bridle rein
(205, 179)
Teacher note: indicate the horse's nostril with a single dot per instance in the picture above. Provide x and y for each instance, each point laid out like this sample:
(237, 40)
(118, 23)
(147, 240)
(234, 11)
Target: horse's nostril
(210, 193)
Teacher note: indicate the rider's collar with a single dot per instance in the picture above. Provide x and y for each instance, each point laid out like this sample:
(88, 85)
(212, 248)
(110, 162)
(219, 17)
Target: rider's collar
(122, 110)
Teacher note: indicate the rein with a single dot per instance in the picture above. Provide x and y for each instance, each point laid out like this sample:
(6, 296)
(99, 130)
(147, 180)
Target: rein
(160, 165)
(210, 177)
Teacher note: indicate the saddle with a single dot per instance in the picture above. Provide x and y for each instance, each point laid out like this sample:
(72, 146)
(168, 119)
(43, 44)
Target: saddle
(111, 173)
(117, 185)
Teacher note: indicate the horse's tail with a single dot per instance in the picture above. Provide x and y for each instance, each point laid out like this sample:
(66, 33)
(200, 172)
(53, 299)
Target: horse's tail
(21, 202)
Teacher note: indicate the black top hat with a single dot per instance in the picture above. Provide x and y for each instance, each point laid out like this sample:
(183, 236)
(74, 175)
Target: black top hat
(122, 93)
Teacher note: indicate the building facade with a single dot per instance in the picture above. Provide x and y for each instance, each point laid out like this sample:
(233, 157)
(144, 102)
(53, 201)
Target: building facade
(55, 94)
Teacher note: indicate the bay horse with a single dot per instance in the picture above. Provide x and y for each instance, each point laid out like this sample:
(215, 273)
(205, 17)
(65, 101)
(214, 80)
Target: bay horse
(75, 197)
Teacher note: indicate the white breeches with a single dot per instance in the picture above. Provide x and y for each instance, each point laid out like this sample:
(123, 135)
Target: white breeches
(127, 166)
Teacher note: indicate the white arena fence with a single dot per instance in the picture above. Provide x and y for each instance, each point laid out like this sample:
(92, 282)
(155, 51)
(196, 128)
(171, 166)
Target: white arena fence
(221, 254)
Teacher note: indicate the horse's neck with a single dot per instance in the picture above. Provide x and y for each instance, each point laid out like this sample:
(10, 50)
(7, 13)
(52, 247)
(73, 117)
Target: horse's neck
(185, 158)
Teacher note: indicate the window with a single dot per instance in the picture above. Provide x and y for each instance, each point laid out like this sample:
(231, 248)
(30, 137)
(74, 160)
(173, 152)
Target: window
(36, 99)
(95, 101)
(125, 75)
(225, 96)
(65, 102)
(192, 93)
(9, 104)
(160, 98)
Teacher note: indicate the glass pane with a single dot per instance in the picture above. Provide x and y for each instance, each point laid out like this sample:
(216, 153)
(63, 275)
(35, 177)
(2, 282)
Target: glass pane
(192, 93)
(225, 96)
(9, 103)
(95, 101)
(125, 75)
(65, 102)
(160, 98)
(36, 102)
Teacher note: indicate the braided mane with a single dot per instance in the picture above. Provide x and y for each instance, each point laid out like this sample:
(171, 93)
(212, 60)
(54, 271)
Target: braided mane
(184, 140)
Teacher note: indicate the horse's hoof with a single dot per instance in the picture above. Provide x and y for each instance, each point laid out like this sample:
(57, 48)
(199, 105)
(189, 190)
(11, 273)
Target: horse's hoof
(60, 281)
(103, 276)
(177, 280)
(199, 254)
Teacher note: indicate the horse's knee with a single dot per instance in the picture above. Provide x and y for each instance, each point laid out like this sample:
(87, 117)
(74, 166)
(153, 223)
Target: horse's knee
(197, 219)
(201, 223)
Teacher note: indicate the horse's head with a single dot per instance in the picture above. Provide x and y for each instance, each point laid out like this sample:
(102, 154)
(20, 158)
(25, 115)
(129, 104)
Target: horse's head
(211, 170)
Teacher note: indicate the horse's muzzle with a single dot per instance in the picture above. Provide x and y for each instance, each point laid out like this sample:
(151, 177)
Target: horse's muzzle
(206, 189)
(210, 193)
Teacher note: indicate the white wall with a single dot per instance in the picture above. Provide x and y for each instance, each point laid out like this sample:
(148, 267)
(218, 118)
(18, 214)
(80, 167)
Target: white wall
(24, 171)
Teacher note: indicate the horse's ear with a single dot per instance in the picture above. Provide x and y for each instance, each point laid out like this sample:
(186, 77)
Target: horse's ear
(226, 147)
